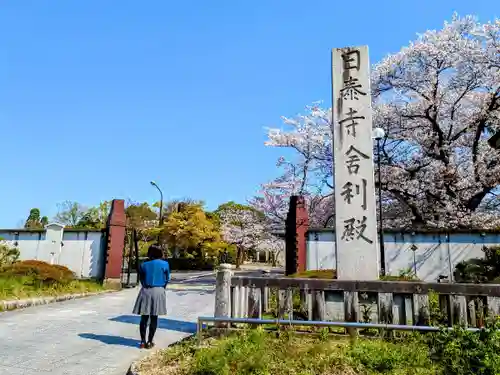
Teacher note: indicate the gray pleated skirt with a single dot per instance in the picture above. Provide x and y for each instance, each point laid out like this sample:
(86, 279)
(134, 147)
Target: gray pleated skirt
(151, 301)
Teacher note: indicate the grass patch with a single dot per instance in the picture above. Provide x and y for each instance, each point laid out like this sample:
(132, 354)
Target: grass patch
(34, 278)
(258, 352)
(316, 274)
(404, 275)
(21, 287)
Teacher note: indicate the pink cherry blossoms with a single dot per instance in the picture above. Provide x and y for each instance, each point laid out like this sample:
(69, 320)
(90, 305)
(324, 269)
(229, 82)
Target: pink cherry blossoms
(438, 101)
(242, 227)
(245, 227)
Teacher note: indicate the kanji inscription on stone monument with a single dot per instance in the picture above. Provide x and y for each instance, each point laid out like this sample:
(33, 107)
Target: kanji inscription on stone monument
(355, 212)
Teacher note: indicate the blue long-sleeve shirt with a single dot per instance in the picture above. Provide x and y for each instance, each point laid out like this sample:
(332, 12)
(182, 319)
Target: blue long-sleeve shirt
(155, 273)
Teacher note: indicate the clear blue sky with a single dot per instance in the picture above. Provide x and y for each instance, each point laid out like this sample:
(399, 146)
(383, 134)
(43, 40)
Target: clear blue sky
(99, 97)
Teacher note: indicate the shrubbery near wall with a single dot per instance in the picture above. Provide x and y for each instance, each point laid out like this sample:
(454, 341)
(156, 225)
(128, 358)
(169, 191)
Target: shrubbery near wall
(480, 270)
(40, 272)
(34, 278)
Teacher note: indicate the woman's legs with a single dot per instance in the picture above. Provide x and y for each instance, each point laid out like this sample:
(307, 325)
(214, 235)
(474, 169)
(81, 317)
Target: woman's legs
(143, 325)
(152, 328)
(153, 324)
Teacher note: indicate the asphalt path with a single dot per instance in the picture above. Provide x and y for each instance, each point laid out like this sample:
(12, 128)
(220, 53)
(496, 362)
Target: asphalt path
(209, 277)
(99, 335)
(92, 336)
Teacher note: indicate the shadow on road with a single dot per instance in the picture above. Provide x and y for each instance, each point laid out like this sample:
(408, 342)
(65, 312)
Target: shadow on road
(163, 323)
(111, 340)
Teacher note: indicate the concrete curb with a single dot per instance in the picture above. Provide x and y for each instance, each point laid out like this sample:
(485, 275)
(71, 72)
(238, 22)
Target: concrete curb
(132, 370)
(23, 303)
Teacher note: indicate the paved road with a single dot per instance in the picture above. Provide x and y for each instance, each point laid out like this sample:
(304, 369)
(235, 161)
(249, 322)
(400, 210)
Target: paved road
(92, 336)
(208, 277)
(177, 276)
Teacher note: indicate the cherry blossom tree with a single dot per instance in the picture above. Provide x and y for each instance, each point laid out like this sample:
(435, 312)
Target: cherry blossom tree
(308, 174)
(438, 100)
(274, 245)
(242, 226)
(274, 199)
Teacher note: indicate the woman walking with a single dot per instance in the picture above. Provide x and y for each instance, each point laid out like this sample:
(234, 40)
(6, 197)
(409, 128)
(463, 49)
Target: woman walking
(154, 275)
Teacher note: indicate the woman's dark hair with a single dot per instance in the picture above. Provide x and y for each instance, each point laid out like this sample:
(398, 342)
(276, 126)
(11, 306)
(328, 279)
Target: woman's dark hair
(155, 252)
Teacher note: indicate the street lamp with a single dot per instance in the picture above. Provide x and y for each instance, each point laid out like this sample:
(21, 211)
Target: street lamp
(161, 201)
(379, 134)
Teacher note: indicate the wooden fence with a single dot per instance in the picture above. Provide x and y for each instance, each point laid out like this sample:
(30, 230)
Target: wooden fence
(389, 302)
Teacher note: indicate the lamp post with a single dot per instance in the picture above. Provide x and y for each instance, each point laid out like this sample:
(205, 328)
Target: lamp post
(161, 201)
(379, 134)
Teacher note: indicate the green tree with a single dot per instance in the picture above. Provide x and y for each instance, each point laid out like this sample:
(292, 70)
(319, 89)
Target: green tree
(103, 211)
(95, 217)
(70, 213)
(140, 215)
(175, 205)
(142, 218)
(35, 221)
(192, 233)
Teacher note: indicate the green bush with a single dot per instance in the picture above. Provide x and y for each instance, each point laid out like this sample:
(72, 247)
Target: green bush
(404, 275)
(40, 272)
(480, 270)
(460, 352)
(186, 264)
(251, 352)
(383, 357)
(255, 352)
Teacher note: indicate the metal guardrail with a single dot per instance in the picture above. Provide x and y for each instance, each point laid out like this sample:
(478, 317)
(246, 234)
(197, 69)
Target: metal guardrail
(317, 323)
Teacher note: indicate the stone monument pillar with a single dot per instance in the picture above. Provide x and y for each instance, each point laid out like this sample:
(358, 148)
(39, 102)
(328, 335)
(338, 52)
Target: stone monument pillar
(223, 293)
(356, 239)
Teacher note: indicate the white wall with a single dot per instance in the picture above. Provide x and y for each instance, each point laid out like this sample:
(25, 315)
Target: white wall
(80, 251)
(435, 255)
(83, 252)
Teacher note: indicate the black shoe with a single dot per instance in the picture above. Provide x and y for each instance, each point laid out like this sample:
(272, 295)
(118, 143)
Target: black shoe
(150, 345)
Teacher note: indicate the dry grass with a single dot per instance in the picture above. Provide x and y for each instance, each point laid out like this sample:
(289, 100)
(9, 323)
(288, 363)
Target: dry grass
(255, 352)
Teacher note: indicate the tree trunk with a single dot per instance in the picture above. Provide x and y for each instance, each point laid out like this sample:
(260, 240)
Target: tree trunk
(239, 257)
(274, 258)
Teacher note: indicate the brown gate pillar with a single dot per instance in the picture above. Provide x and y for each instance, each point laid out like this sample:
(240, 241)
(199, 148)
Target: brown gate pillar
(296, 227)
(116, 230)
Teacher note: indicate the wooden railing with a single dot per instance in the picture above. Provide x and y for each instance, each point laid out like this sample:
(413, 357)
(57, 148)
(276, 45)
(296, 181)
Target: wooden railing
(389, 302)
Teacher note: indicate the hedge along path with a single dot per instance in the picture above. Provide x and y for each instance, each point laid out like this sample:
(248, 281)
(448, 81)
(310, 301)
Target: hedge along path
(41, 271)
(43, 276)
(8, 305)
